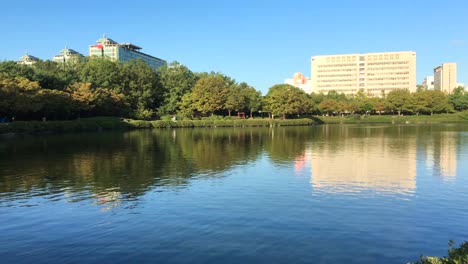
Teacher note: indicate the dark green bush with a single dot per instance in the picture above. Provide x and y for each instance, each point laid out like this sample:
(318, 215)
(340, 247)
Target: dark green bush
(456, 255)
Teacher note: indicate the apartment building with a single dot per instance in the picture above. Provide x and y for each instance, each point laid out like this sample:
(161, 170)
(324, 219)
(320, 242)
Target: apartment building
(107, 47)
(27, 59)
(301, 82)
(67, 55)
(445, 77)
(428, 83)
(374, 73)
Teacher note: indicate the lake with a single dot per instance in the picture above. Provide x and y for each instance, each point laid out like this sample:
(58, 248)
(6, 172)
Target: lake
(321, 194)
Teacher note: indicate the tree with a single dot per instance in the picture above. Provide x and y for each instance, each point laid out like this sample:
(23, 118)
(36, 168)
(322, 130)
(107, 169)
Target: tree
(102, 72)
(430, 101)
(13, 70)
(141, 86)
(253, 99)
(18, 96)
(459, 99)
(399, 100)
(283, 99)
(235, 99)
(176, 80)
(379, 105)
(209, 94)
(53, 75)
(329, 106)
(363, 103)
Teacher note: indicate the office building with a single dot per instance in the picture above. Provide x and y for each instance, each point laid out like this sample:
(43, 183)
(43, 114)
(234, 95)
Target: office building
(109, 48)
(374, 73)
(67, 55)
(300, 81)
(27, 59)
(445, 77)
(428, 83)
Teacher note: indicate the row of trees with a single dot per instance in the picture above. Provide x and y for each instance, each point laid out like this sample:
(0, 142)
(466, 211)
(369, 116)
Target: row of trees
(97, 86)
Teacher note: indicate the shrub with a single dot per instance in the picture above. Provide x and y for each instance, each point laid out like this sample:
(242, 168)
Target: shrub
(458, 255)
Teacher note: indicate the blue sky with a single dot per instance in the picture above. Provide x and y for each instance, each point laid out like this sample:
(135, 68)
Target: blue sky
(259, 42)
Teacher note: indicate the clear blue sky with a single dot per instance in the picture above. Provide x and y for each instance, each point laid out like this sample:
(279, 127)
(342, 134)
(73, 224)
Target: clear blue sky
(259, 42)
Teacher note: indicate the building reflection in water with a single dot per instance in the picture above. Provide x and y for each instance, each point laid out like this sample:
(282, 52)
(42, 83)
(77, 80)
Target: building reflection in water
(381, 164)
(441, 154)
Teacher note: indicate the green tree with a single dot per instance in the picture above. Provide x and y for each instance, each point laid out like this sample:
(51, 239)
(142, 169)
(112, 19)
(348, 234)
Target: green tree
(141, 86)
(209, 94)
(329, 106)
(53, 75)
(284, 99)
(399, 100)
(235, 98)
(13, 69)
(253, 99)
(430, 102)
(176, 80)
(459, 99)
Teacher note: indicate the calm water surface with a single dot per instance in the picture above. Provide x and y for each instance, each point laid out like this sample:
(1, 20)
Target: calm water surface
(324, 194)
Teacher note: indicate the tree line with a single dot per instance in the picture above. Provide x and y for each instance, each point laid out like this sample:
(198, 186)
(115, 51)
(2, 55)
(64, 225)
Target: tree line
(102, 87)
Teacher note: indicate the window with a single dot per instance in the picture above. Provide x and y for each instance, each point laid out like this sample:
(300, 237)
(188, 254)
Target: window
(380, 57)
(333, 59)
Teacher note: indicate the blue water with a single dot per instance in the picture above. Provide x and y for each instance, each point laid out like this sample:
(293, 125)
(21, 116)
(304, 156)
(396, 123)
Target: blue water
(325, 194)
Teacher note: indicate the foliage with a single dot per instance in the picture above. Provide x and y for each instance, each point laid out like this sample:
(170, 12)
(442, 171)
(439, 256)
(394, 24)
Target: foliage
(430, 102)
(102, 87)
(459, 99)
(456, 255)
(399, 100)
(284, 99)
(176, 80)
(209, 94)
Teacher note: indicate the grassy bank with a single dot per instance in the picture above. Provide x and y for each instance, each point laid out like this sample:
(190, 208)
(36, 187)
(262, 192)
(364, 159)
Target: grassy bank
(394, 119)
(115, 123)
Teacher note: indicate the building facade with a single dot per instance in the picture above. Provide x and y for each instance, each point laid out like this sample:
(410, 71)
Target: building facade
(374, 73)
(428, 83)
(67, 55)
(300, 81)
(27, 59)
(445, 77)
(109, 48)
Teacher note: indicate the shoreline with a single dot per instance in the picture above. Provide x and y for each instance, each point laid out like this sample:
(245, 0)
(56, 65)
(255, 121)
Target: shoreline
(116, 123)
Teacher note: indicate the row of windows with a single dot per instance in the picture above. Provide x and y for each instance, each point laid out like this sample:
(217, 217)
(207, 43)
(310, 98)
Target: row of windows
(350, 58)
(335, 85)
(338, 70)
(336, 80)
(341, 58)
(338, 90)
(335, 75)
(388, 78)
(384, 57)
(388, 73)
(337, 65)
(387, 68)
(387, 63)
(385, 88)
(388, 83)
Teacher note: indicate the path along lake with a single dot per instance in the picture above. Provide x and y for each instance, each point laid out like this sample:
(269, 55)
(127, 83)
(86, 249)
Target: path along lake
(321, 194)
